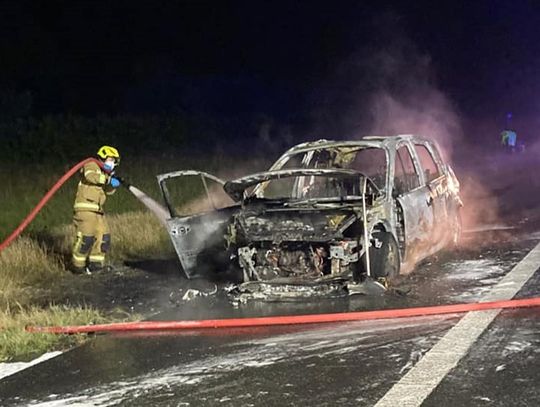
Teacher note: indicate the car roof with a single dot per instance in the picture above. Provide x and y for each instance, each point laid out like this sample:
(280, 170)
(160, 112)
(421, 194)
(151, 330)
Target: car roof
(366, 141)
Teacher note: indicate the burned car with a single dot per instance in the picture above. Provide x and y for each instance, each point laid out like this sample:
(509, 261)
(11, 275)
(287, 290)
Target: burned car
(325, 211)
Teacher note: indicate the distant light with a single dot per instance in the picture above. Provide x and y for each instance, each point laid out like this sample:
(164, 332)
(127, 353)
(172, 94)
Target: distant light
(508, 115)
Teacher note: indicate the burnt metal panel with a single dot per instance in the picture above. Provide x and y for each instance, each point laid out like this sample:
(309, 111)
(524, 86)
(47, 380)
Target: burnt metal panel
(198, 238)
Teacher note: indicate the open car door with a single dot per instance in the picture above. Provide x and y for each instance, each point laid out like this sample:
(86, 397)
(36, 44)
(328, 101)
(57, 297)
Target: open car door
(197, 226)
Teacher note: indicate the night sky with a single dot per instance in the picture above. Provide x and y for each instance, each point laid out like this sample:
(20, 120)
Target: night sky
(284, 59)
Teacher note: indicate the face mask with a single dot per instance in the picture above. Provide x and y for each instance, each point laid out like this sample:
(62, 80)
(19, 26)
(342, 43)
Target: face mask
(108, 166)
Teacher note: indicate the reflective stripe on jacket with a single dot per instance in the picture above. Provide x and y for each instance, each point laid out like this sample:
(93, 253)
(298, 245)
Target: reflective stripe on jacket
(93, 189)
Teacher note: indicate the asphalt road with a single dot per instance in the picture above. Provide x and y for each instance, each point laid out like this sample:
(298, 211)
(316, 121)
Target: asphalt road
(353, 363)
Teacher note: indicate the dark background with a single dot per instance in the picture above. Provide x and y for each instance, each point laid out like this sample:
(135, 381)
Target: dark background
(270, 70)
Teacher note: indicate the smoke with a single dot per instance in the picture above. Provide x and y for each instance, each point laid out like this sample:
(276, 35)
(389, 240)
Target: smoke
(418, 106)
(397, 92)
(389, 86)
(426, 112)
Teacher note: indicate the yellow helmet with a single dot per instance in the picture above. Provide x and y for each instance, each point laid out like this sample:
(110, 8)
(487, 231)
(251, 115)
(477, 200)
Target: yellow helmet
(108, 151)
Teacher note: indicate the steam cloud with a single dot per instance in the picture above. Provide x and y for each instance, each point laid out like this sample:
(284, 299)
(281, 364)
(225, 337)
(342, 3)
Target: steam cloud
(398, 94)
(389, 87)
(426, 113)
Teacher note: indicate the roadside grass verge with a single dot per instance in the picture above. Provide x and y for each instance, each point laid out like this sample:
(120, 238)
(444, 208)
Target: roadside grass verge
(17, 344)
(26, 263)
(32, 267)
(40, 261)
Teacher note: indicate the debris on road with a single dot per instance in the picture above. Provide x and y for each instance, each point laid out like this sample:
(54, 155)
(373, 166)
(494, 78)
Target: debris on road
(190, 294)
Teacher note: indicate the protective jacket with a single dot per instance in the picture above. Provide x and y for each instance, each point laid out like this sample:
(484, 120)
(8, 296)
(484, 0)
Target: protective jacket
(93, 189)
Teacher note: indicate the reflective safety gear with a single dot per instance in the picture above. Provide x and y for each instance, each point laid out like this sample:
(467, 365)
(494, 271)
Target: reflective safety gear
(97, 259)
(93, 239)
(93, 189)
(105, 243)
(80, 251)
(115, 183)
(86, 244)
(108, 151)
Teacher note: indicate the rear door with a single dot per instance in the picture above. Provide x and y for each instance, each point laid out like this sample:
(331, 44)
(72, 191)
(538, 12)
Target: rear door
(200, 212)
(435, 180)
(412, 197)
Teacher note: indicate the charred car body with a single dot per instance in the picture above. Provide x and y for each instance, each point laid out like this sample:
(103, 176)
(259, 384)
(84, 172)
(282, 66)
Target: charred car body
(325, 211)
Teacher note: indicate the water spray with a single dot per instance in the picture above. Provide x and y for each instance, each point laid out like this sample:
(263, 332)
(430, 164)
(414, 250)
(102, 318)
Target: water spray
(153, 206)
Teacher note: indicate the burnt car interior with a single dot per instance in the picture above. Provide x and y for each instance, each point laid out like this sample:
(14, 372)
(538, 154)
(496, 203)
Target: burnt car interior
(405, 175)
(370, 161)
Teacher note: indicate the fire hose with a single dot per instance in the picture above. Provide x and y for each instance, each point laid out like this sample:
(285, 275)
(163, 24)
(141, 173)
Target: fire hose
(30, 217)
(287, 319)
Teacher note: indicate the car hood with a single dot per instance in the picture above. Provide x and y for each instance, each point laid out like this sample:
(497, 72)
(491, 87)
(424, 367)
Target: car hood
(299, 225)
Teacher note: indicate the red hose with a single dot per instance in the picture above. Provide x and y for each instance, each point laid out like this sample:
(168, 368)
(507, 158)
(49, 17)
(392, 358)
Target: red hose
(288, 320)
(44, 200)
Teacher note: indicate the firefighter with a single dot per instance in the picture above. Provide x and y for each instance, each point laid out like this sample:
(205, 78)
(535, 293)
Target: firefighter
(93, 239)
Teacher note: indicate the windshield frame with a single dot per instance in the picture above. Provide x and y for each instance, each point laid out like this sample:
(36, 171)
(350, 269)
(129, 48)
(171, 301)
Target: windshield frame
(347, 146)
(237, 189)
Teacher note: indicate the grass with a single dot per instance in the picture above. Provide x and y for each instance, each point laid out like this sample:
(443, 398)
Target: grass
(26, 263)
(40, 261)
(17, 344)
(30, 266)
(138, 235)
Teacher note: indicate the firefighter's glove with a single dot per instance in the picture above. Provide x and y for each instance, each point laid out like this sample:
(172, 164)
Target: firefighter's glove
(115, 183)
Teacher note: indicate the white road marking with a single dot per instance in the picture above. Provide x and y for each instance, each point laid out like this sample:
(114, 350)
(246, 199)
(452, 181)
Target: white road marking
(413, 388)
(7, 369)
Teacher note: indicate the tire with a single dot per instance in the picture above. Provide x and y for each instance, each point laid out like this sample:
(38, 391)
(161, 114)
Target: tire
(385, 260)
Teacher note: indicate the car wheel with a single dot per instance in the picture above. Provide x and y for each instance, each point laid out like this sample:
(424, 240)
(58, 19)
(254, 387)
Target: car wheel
(384, 256)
